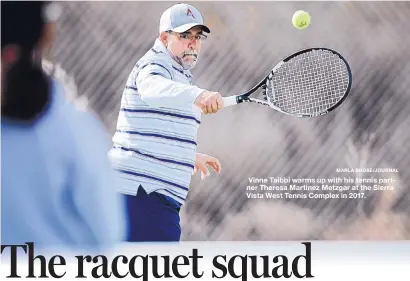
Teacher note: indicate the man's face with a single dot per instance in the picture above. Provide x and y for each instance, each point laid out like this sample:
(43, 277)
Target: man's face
(185, 47)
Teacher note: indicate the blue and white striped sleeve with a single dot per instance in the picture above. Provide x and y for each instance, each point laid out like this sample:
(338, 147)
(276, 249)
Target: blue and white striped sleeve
(156, 87)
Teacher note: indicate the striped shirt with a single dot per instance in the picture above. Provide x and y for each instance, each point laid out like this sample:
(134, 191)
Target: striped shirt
(155, 143)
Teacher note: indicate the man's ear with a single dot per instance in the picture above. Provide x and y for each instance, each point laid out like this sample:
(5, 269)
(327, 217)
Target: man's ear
(164, 38)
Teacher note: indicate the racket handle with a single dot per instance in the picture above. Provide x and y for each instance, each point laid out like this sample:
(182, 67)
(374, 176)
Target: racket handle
(228, 101)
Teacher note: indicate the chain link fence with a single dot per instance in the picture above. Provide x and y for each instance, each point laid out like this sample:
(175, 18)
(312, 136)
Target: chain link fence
(99, 43)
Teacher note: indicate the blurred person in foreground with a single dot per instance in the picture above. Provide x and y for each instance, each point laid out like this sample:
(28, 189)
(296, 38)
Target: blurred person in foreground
(57, 185)
(155, 143)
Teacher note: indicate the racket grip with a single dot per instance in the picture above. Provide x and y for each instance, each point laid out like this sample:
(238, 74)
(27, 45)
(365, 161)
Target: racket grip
(229, 101)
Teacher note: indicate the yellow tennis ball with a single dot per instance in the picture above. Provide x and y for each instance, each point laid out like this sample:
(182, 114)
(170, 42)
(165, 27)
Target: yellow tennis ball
(301, 19)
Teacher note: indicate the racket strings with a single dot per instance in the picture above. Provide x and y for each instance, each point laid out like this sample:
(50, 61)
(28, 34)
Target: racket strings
(309, 83)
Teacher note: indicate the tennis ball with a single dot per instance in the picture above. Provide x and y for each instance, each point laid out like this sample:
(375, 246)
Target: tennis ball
(301, 19)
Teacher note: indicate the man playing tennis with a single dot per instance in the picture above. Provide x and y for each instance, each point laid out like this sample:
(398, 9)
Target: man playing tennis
(155, 143)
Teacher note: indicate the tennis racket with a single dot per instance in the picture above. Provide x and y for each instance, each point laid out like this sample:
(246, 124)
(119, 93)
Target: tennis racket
(309, 83)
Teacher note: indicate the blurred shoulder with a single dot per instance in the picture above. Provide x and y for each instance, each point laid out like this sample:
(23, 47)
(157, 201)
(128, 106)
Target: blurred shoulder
(67, 82)
(84, 124)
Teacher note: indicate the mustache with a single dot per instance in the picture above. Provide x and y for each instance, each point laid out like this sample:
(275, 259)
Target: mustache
(190, 53)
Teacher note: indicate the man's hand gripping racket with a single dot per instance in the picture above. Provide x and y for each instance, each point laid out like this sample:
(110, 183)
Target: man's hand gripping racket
(309, 83)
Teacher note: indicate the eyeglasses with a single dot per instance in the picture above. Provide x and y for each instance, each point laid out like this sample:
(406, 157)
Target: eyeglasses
(188, 36)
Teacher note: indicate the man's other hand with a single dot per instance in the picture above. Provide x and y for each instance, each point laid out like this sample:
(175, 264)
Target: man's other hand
(202, 160)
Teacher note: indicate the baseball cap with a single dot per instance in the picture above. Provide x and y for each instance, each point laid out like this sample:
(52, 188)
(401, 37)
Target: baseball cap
(180, 18)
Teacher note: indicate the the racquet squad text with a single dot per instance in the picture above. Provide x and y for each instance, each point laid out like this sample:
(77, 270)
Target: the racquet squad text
(316, 188)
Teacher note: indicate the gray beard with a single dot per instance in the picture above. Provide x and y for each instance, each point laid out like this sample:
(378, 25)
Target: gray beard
(187, 65)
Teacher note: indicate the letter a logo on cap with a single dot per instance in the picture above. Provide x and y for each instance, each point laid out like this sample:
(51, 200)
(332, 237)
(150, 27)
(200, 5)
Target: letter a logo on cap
(189, 13)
